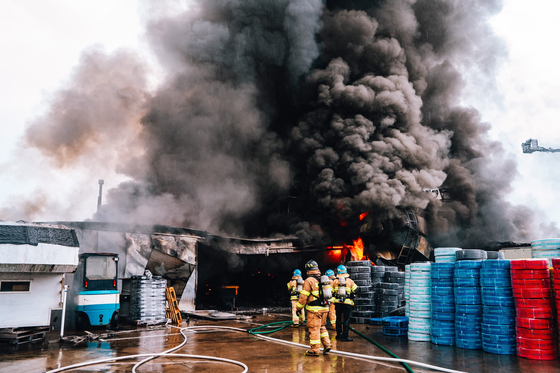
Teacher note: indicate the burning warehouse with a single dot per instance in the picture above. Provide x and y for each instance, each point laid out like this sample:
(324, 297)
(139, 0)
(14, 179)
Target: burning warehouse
(280, 134)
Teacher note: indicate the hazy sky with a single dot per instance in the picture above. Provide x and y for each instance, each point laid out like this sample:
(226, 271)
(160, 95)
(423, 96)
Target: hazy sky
(41, 43)
(528, 83)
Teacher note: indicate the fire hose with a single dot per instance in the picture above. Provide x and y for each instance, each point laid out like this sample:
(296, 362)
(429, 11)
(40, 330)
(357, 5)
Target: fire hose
(404, 362)
(257, 333)
(284, 324)
(166, 354)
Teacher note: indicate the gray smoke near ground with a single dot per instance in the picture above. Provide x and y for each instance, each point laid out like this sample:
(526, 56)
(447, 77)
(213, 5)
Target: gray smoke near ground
(295, 116)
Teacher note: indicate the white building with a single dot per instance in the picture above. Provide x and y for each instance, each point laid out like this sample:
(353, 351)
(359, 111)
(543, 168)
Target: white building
(34, 259)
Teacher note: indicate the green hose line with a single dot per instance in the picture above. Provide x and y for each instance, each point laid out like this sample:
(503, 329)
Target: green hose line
(285, 324)
(405, 365)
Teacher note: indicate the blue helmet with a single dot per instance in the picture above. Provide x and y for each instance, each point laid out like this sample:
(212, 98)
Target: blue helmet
(329, 272)
(341, 269)
(297, 272)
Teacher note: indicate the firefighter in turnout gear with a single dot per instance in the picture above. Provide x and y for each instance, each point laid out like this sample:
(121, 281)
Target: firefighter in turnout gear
(331, 321)
(314, 297)
(294, 287)
(344, 292)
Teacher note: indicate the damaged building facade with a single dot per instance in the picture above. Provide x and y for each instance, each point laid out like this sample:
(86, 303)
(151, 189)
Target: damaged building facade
(206, 271)
(177, 254)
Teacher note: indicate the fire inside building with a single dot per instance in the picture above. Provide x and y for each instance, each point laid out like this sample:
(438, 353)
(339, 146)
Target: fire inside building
(216, 272)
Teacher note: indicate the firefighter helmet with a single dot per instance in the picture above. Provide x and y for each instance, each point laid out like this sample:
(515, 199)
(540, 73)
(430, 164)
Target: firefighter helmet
(341, 269)
(311, 265)
(329, 272)
(297, 272)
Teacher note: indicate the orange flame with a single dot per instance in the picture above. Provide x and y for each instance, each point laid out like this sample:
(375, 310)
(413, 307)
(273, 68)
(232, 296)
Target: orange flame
(335, 255)
(363, 215)
(356, 250)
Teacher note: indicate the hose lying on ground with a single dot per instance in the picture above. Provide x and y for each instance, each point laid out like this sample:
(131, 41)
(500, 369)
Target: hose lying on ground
(101, 361)
(284, 324)
(367, 357)
(405, 365)
(166, 354)
(257, 333)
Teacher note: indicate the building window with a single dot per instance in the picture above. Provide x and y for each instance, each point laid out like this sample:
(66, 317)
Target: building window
(15, 286)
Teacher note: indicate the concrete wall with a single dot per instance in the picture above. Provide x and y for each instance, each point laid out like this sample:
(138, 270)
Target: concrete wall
(33, 308)
(518, 253)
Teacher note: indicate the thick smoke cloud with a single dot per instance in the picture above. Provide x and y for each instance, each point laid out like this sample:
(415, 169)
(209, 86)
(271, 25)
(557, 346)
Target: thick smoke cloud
(97, 116)
(294, 117)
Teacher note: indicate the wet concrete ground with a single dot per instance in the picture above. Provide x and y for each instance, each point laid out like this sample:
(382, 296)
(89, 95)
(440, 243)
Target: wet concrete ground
(258, 354)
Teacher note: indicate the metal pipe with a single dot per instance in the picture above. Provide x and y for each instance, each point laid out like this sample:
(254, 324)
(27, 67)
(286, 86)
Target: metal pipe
(63, 311)
(99, 198)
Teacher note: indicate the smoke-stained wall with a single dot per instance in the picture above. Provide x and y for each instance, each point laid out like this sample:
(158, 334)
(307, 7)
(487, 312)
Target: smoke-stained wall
(279, 117)
(173, 256)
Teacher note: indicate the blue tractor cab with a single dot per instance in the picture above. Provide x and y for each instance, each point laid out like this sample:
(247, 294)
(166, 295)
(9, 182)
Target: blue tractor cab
(97, 302)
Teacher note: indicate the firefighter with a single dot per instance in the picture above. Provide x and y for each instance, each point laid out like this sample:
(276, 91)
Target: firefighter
(344, 292)
(331, 321)
(314, 297)
(295, 286)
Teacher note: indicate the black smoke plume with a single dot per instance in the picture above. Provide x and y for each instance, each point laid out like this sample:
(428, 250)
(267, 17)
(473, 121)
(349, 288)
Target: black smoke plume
(293, 117)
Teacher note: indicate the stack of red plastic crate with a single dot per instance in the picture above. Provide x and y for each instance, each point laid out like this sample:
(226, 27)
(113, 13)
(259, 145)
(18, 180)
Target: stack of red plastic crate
(534, 303)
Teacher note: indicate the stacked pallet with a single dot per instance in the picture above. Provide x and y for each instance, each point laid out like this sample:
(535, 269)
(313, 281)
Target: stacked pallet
(17, 336)
(148, 299)
(395, 326)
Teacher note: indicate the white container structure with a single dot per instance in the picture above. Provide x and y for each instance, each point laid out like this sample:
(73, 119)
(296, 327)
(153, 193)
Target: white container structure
(33, 261)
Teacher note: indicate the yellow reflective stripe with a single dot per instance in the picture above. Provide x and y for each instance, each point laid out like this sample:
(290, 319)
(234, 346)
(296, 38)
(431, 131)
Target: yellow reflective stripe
(315, 293)
(289, 287)
(305, 292)
(325, 334)
(314, 342)
(299, 305)
(317, 308)
(349, 301)
(354, 287)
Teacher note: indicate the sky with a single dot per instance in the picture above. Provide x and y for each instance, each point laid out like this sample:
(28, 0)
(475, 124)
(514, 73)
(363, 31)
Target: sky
(529, 106)
(42, 42)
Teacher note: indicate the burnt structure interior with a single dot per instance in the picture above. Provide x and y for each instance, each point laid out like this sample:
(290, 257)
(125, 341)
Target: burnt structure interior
(261, 279)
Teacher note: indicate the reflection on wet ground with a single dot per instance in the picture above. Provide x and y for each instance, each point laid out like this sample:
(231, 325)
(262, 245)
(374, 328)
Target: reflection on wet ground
(259, 355)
